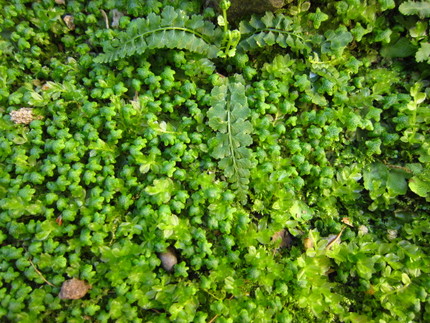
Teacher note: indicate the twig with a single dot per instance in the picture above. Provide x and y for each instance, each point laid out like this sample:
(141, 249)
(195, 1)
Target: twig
(336, 239)
(213, 319)
(40, 274)
(106, 18)
(217, 298)
(154, 310)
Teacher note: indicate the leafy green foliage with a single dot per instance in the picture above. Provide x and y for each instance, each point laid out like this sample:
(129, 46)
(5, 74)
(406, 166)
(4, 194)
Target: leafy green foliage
(228, 117)
(326, 139)
(418, 40)
(381, 181)
(336, 41)
(423, 53)
(420, 8)
(318, 17)
(420, 183)
(270, 30)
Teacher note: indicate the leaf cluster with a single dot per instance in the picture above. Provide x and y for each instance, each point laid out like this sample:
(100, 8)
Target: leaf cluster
(325, 139)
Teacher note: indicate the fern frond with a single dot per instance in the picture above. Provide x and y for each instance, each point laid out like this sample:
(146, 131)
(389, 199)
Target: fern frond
(269, 30)
(227, 117)
(422, 8)
(172, 29)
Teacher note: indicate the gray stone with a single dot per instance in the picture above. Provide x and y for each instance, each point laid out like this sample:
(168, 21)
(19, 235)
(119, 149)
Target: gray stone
(168, 259)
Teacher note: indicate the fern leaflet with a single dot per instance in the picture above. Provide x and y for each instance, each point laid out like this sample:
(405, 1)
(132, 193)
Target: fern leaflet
(270, 30)
(172, 29)
(228, 116)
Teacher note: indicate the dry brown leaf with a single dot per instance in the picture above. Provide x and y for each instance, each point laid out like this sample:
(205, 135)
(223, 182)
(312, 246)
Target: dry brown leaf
(334, 239)
(74, 289)
(284, 237)
(23, 116)
(69, 21)
(308, 243)
(347, 221)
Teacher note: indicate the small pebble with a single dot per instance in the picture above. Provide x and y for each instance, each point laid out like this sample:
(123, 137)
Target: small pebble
(168, 259)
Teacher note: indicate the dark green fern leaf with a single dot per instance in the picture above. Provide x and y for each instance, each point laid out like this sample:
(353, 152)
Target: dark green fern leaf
(268, 31)
(227, 117)
(172, 29)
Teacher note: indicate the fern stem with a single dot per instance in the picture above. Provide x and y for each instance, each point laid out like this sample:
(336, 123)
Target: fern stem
(224, 14)
(280, 32)
(230, 139)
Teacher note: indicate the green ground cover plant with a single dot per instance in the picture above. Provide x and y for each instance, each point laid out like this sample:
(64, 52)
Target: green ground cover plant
(161, 163)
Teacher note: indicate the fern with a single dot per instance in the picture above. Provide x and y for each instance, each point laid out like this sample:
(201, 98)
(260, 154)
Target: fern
(269, 30)
(422, 8)
(228, 116)
(172, 29)
(175, 29)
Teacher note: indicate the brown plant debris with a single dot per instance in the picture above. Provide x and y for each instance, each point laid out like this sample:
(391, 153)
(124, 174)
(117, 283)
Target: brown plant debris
(69, 20)
(308, 243)
(347, 221)
(23, 115)
(284, 237)
(40, 274)
(74, 289)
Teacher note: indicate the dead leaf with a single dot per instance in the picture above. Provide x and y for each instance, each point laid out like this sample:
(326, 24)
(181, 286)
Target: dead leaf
(362, 230)
(347, 221)
(334, 239)
(284, 237)
(308, 243)
(74, 289)
(22, 116)
(69, 21)
(370, 291)
(59, 220)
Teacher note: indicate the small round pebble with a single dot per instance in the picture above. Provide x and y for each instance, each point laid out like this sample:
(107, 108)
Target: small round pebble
(168, 259)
